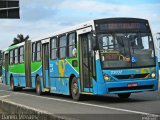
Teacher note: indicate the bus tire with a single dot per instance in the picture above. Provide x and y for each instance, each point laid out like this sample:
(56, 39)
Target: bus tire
(38, 86)
(124, 95)
(75, 90)
(13, 88)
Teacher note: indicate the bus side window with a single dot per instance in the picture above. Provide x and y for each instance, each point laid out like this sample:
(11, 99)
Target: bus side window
(72, 45)
(21, 54)
(38, 51)
(54, 49)
(16, 55)
(62, 46)
(33, 51)
(11, 61)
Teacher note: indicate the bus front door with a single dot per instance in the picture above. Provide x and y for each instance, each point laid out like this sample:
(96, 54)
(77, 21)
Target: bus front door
(85, 63)
(6, 68)
(45, 65)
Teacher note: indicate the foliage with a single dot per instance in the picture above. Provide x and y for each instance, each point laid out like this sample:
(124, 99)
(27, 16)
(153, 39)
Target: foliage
(20, 38)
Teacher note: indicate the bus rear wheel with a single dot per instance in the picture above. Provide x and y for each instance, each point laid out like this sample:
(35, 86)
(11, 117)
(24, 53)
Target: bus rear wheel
(75, 90)
(38, 86)
(124, 95)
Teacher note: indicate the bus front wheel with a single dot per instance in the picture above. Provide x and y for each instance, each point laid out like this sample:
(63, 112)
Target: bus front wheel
(38, 86)
(124, 95)
(75, 90)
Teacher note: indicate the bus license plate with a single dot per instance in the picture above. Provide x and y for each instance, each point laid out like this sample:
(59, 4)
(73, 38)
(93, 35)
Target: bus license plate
(132, 84)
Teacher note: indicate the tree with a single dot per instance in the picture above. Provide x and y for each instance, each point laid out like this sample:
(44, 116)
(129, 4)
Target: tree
(20, 38)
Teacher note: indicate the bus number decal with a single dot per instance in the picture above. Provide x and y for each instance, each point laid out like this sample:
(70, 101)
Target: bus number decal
(117, 72)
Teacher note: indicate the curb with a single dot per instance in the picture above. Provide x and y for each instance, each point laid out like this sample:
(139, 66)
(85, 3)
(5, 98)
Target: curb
(19, 112)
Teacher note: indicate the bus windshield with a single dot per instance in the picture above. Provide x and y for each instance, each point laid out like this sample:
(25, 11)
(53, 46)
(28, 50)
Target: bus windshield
(126, 50)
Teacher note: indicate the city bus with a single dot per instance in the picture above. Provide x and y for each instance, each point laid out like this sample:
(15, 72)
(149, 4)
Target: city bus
(99, 57)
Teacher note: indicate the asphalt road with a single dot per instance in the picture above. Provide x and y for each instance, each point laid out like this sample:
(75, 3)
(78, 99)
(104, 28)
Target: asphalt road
(138, 106)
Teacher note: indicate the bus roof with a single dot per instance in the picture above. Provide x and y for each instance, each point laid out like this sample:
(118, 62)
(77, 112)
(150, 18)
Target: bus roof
(85, 24)
(76, 27)
(14, 46)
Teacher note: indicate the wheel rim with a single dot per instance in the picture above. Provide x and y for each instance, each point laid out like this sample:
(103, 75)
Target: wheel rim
(75, 88)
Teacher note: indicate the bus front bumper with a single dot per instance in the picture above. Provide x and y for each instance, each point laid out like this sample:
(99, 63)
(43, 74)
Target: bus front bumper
(131, 86)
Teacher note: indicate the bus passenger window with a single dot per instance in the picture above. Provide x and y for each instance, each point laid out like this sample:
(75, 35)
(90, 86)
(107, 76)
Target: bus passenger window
(21, 53)
(38, 50)
(33, 51)
(16, 56)
(62, 46)
(72, 45)
(54, 50)
(11, 57)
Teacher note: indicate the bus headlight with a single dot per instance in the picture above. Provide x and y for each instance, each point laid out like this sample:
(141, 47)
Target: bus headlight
(153, 75)
(106, 77)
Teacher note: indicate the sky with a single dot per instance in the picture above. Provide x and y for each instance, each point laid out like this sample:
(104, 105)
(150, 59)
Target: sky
(41, 17)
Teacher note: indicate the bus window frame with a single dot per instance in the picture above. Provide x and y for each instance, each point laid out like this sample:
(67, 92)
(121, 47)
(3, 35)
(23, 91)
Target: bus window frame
(19, 55)
(62, 35)
(56, 39)
(11, 63)
(40, 51)
(34, 58)
(16, 56)
(35, 52)
(74, 45)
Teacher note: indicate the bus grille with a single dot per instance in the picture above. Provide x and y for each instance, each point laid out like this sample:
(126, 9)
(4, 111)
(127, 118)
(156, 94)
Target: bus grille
(134, 76)
(130, 88)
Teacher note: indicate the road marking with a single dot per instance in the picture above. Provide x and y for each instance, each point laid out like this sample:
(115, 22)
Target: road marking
(4, 96)
(88, 104)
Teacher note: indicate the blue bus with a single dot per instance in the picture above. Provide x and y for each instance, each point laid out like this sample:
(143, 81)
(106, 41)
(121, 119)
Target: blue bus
(99, 57)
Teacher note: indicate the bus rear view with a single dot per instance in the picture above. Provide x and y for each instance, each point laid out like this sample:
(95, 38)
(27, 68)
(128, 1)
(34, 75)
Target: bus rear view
(125, 56)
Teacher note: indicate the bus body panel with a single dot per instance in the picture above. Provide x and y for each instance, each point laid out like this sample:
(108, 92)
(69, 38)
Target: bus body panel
(60, 73)
(18, 73)
(36, 69)
(144, 83)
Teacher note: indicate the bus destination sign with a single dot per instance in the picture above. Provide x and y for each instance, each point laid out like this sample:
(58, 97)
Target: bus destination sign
(122, 26)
